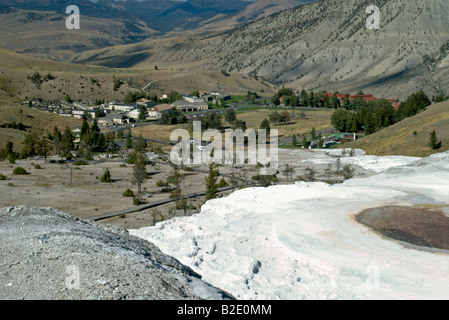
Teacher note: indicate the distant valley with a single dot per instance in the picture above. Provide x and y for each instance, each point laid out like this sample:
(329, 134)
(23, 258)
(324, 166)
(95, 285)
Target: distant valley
(38, 28)
(320, 46)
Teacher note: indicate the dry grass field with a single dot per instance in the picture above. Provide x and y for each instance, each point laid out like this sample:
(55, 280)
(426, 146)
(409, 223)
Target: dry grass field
(320, 119)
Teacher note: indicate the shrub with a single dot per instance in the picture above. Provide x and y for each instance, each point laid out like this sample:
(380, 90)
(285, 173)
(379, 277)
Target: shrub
(137, 201)
(2, 177)
(37, 166)
(166, 189)
(161, 183)
(348, 172)
(11, 158)
(80, 163)
(128, 193)
(19, 171)
(106, 177)
(222, 183)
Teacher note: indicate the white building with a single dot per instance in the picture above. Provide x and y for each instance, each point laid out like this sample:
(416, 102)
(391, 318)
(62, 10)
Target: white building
(134, 114)
(121, 107)
(155, 113)
(185, 105)
(193, 99)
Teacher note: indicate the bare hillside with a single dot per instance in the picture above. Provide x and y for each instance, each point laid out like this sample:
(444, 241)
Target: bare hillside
(255, 11)
(43, 34)
(82, 82)
(322, 45)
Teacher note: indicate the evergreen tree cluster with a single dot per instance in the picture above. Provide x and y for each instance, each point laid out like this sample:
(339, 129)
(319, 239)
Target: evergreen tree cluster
(15, 125)
(251, 97)
(93, 140)
(287, 96)
(370, 117)
(174, 116)
(63, 141)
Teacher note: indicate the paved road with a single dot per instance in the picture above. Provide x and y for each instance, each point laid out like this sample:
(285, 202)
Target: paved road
(150, 205)
(158, 202)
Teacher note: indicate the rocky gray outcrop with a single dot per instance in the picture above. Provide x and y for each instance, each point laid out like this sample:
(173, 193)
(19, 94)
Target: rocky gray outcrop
(49, 254)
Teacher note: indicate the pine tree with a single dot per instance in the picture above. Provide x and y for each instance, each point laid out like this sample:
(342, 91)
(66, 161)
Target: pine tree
(313, 133)
(139, 172)
(101, 143)
(320, 143)
(211, 182)
(433, 142)
(56, 137)
(265, 125)
(30, 143)
(370, 126)
(143, 113)
(304, 142)
(85, 130)
(43, 148)
(294, 142)
(176, 194)
(66, 142)
(129, 140)
(106, 177)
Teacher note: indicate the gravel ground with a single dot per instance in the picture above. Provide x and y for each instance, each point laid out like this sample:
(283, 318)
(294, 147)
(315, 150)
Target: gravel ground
(48, 254)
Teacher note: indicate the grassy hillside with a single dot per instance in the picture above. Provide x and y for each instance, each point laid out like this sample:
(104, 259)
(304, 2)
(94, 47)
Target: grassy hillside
(33, 120)
(93, 82)
(411, 136)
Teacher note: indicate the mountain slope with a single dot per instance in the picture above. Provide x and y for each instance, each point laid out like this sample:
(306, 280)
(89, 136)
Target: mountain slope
(255, 11)
(325, 45)
(40, 30)
(410, 137)
(89, 83)
(189, 14)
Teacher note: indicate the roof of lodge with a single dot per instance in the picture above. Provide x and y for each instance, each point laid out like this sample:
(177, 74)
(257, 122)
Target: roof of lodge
(185, 103)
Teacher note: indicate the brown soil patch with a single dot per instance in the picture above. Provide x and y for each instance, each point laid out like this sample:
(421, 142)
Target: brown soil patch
(420, 227)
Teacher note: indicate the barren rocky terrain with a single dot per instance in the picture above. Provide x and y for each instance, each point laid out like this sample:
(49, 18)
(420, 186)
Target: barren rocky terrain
(48, 254)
